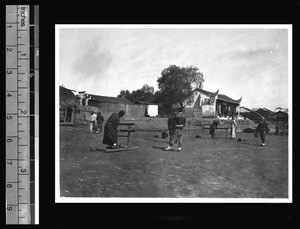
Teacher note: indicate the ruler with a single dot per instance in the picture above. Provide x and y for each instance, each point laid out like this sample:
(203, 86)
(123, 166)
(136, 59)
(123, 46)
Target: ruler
(22, 93)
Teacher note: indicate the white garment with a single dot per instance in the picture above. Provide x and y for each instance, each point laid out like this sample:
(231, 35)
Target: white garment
(93, 118)
(233, 129)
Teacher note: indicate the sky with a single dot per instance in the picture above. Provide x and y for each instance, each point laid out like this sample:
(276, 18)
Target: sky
(246, 62)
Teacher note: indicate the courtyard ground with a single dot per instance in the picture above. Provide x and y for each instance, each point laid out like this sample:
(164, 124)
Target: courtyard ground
(205, 168)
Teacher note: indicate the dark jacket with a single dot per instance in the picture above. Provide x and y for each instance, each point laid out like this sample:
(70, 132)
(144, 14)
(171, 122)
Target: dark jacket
(180, 121)
(262, 126)
(172, 123)
(214, 125)
(100, 119)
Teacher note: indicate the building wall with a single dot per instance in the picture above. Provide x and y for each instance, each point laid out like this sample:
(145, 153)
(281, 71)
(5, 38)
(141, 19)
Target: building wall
(194, 101)
(205, 107)
(193, 113)
(106, 109)
(208, 106)
(226, 108)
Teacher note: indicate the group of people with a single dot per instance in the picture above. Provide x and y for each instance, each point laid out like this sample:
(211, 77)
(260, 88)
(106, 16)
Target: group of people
(96, 122)
(262, 129)
(176, 123)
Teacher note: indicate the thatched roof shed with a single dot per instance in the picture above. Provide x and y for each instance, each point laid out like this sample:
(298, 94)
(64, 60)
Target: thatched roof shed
(67, 100)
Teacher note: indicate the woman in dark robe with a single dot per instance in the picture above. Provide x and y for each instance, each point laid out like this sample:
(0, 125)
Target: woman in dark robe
(110, 129)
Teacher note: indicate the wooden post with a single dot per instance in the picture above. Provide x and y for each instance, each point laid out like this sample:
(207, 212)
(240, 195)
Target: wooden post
(65, 116)
(72, 117)
(128, 136)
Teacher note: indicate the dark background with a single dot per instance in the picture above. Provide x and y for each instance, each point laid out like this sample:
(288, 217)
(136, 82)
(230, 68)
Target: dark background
(94, 215)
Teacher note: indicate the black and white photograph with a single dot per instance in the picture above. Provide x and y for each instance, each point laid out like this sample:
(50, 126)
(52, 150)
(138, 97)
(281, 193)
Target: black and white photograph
(149, 113)
(173, 113)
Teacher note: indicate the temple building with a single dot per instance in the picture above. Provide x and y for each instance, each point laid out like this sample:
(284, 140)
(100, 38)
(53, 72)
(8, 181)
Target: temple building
(207, 104)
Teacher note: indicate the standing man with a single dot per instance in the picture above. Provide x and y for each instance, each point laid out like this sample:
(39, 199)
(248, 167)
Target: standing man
(100, 121)
(171, 128)
(92, 121)
(110, 130)
(262, 129)
(176, 124)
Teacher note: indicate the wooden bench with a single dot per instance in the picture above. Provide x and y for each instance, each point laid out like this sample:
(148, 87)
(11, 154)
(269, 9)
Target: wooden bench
(128, 131)
(218, 128)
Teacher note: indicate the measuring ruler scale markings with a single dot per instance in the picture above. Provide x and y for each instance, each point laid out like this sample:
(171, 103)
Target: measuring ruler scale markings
(21, 113)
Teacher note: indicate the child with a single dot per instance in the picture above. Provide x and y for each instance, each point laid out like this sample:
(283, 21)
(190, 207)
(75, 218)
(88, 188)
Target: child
(92, 121)
(213, 128)
(176, 124)
(100, 121)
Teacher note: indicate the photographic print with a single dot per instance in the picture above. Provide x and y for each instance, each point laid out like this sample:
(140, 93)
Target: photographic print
(173, 113)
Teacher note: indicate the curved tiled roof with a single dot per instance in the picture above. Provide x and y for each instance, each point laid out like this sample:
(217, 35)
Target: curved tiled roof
(220, 96)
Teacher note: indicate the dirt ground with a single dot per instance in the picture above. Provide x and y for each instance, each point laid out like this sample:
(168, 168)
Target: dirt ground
(205, 168)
